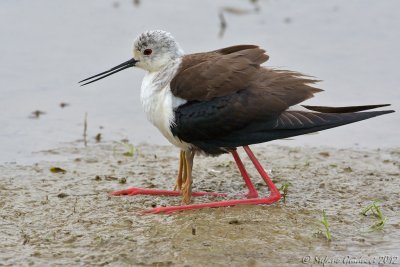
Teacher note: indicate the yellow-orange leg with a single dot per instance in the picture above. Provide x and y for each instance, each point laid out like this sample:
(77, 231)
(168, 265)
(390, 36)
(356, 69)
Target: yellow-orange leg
(178, 184)
(187, 183)
(183, 186)
(184, 168)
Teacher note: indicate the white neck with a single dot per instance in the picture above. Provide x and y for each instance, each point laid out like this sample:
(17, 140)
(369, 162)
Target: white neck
(159, 102)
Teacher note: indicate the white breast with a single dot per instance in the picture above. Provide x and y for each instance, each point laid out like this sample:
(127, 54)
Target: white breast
(159, 102)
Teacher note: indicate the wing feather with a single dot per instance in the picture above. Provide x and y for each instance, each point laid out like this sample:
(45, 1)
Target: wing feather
(208, 75)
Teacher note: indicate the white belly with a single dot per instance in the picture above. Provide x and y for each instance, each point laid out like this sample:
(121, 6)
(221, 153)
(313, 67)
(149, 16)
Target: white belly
(159, 103)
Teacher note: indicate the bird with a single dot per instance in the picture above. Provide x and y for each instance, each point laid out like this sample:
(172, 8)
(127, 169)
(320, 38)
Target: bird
(214, 102)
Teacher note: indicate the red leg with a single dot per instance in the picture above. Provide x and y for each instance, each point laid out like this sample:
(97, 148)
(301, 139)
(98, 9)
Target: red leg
(272, 198)
(143, 191)
(261, 171)
(228, 203)
(252, 190)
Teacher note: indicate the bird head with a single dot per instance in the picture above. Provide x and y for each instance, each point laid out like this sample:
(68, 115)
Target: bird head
(155, 49)
(152, 50)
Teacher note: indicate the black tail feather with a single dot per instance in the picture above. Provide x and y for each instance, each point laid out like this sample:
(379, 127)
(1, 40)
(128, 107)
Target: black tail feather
(289, 124)
(349, 109)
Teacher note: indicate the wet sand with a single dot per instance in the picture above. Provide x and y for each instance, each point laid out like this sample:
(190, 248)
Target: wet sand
(68, 219)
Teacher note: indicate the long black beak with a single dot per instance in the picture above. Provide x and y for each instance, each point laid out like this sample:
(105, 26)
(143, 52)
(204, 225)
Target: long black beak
(125, 65)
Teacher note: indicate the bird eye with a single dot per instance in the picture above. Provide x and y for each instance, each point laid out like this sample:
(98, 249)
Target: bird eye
(147, 52)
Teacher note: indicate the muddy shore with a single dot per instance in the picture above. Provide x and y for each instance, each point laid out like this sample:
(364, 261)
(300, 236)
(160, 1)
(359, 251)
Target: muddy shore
(68, 219)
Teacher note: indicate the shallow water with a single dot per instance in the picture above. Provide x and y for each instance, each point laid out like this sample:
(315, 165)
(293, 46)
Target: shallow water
(47, 47)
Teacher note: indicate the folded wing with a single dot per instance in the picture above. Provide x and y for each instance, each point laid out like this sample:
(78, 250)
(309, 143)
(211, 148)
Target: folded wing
(233, 101)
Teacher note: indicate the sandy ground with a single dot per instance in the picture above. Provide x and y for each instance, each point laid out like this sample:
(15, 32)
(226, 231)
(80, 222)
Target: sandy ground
(70, 220)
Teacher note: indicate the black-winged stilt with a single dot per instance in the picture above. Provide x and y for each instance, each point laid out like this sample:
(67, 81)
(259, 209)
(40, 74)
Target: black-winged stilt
(216, 101)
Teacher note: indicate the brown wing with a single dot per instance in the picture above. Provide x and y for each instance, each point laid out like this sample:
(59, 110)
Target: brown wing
(204, 76)
(288, 87)
(212, 113)
(233, 49)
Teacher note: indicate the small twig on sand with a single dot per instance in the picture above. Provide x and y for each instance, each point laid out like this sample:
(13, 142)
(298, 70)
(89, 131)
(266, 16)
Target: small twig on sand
(76, 201)
(85, 130)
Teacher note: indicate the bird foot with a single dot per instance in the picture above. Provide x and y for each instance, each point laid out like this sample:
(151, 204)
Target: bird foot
(178, 187)
(254, 201)
(143, 191)
(252, 194)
